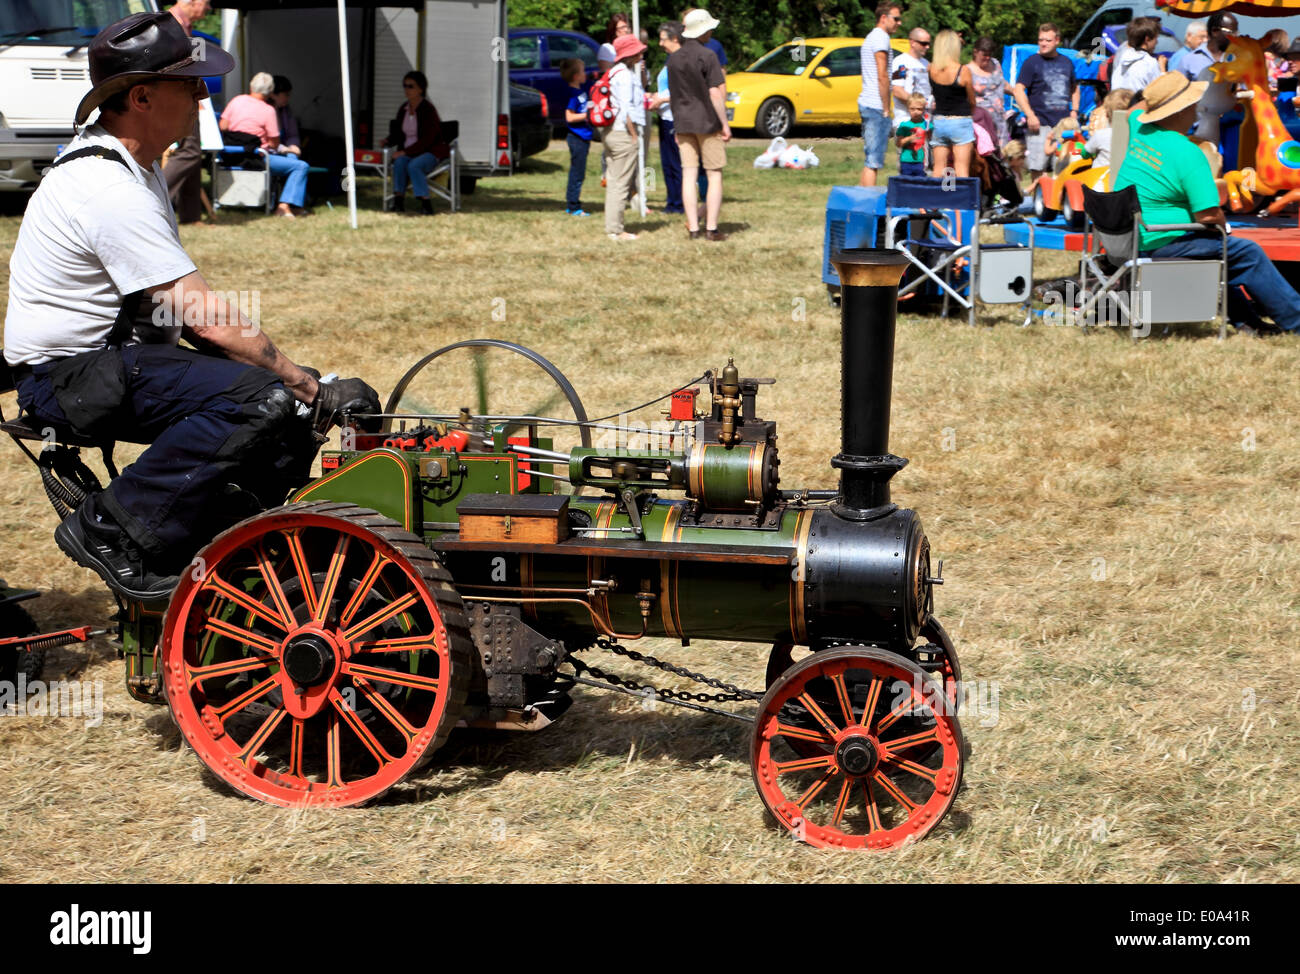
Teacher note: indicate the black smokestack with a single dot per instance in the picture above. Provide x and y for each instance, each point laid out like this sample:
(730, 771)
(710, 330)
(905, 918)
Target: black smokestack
(869, 281)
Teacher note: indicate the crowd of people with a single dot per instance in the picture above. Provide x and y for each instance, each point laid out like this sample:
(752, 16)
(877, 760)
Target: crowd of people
(689, 101)
(954, 113)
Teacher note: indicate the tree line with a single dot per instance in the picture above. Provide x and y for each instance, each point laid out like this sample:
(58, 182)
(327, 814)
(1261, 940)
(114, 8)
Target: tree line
(752, 27)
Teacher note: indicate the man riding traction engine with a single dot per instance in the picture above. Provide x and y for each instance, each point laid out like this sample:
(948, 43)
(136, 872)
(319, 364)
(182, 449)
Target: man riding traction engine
(98, 281)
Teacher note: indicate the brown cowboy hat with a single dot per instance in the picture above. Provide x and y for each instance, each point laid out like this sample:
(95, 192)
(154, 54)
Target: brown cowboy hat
(142, 48)
(1169, 94)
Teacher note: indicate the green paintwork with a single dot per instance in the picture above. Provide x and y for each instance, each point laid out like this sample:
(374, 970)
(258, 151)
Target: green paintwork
(707, 600)
(141, 631)
(383, 480)
(714, 600)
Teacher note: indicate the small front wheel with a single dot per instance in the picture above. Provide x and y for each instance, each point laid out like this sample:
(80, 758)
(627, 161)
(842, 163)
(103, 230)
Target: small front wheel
(1044, 212)
(856, 748)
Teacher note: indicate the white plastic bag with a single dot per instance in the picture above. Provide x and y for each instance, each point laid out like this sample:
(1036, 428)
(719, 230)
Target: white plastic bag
(770, 155)
(793, 157)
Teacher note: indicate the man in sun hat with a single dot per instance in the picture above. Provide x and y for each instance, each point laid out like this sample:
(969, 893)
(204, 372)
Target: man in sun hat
(700, 119)
(1175, 184)
(101, 291)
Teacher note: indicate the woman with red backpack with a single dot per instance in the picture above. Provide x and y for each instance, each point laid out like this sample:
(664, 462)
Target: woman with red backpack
(627, 101)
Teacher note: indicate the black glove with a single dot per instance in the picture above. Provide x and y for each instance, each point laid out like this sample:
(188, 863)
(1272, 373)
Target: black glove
(345, 395)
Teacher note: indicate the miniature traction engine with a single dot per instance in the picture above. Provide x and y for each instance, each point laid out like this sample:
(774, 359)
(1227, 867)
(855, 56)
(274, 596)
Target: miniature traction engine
(435, 576)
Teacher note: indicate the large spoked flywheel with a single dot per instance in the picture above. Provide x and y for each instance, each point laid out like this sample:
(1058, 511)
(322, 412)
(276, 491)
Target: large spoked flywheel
(316, 655)
(490, 377)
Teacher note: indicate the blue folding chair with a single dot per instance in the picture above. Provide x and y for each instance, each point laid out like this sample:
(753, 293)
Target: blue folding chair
(927, 216)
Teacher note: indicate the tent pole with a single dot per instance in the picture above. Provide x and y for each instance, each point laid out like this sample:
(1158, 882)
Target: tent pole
(349, 168)
(643, 137)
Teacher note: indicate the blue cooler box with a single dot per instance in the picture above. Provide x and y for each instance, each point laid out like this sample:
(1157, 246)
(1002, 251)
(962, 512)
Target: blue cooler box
(855, 217)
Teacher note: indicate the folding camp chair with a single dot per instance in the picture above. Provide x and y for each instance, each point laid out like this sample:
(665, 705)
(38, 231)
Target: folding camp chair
(1145, 290)
(926, 217)
(382, 160)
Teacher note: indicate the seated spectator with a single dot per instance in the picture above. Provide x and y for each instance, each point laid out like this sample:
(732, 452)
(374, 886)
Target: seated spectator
(1136, 65)
(1014, 154)
(254, 114)
(290, 138)
(416, 134)
(1174, 184)
(1099, 130)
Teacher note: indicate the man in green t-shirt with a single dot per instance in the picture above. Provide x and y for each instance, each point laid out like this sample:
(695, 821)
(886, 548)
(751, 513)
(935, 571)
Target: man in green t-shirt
(1175, 185)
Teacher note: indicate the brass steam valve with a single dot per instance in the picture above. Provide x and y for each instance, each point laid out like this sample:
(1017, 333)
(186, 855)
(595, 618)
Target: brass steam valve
(728, 398)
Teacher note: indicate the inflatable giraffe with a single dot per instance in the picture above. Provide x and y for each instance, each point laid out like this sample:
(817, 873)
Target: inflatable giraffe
(1277, 156)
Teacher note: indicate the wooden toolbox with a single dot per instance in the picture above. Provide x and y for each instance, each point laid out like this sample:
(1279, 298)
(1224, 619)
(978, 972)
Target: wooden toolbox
(539, 518)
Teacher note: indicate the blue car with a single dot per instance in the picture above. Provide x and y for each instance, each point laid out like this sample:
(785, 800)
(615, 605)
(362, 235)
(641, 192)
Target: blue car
(535, 54)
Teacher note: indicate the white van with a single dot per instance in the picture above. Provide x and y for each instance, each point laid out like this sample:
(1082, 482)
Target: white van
(1115, 12)
(43, 76)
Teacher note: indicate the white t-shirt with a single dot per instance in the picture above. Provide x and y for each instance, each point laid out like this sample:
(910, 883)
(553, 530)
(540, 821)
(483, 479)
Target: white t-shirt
(1134, 70)
(627, 96)
(877, 40)
(912, 74)
(1099, 145)
(410, 128)
(94, 232)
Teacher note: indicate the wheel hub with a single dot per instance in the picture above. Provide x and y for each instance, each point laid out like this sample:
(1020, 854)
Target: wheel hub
(857, 756)
(309, 660)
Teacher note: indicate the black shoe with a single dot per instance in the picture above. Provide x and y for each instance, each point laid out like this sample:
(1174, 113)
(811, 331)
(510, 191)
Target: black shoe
(399, 204)
(1257, 328)
(113, 556)
(426, 206)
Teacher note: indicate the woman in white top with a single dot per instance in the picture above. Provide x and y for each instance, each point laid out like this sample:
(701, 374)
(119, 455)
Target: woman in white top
(627, 97)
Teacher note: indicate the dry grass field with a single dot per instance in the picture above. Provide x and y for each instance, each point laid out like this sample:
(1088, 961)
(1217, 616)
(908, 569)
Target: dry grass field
(1118, 521)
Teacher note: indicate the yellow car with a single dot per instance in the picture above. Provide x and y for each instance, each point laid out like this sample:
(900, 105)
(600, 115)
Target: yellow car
(815, 81)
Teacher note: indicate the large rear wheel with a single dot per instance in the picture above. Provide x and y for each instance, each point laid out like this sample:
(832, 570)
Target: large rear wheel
(316, 655)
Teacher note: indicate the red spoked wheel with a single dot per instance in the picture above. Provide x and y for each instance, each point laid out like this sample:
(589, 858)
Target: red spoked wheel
(943, 666)
(316, 655)
(889, 750)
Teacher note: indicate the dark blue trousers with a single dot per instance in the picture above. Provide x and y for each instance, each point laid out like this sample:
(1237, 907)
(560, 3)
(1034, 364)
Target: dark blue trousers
(578, 149)
(670, 160)
(211, 422)
(1248, 267)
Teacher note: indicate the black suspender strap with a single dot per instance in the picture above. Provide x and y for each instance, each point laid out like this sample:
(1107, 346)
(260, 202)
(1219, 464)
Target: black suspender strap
(125, 321)
(98, 151)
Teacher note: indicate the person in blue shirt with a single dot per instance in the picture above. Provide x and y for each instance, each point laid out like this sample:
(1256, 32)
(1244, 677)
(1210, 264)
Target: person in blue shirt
(1193, 38)
(670, 39)
(579, 136)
